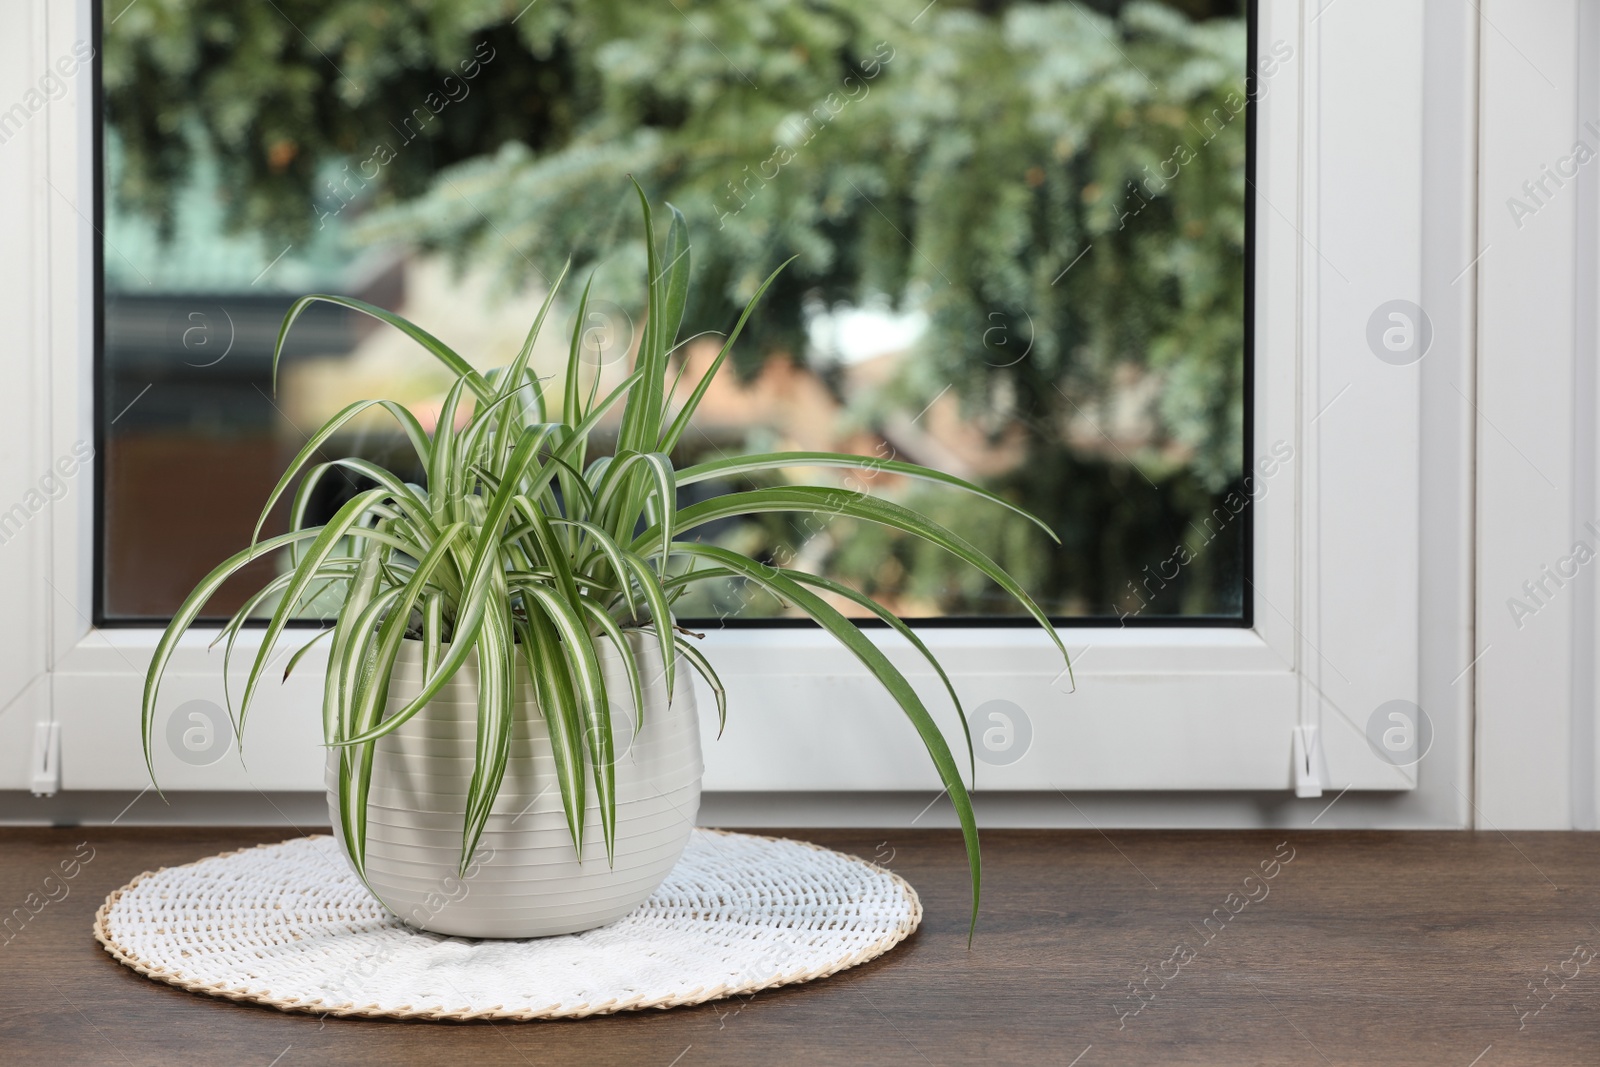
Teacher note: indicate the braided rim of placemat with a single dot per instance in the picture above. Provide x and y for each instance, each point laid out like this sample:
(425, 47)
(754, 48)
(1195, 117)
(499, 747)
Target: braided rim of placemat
(699, 995)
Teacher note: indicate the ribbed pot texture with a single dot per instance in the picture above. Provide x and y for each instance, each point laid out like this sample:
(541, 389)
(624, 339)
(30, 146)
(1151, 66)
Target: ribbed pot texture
(526, 880)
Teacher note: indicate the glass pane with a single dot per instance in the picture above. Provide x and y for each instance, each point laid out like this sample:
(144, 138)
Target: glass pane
(1021, 246)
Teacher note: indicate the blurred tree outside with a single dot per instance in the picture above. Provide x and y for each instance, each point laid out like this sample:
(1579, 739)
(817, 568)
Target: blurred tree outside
(1054, 192)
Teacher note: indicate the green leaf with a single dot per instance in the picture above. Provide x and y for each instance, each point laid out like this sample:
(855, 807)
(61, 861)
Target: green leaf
(608, 548)
(496, 685)
(184, 617)
(740, 466)
(408, 422)
(553, 553)
(405, 496)
(485, 425)
(630, 664)
(445, 475)
(655, 595)
(644, 407)
(363, 586)
(558, 701)
(357, 665)
(432, 633)
(246, 611)
(615, 499)
(674, 433)
(322, 547)
(831, 501)
(437, 348)
(392, 633)
(571, 401)
(579, 647)
(475, 598)
(894, 623)
(356, 674)
(300, 653)
(513, 379)
(698, 660)
(676, 290)
(888, 675)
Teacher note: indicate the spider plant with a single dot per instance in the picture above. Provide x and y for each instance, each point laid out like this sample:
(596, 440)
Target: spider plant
(522, 544)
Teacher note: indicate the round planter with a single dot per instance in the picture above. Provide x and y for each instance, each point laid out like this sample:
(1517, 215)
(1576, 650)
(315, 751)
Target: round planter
(526, 880)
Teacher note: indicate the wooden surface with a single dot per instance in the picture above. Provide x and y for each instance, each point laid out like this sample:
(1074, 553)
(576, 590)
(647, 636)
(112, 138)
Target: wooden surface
(1363, 948)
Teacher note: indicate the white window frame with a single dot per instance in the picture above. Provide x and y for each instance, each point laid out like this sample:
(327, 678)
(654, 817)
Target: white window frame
(1355, 206)
(1539, 454)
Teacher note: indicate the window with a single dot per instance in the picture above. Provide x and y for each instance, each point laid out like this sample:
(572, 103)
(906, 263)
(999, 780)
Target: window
(1353, 459)
(1036, 282)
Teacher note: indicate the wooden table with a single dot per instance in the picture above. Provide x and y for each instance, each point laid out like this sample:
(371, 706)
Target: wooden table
(1245, 948)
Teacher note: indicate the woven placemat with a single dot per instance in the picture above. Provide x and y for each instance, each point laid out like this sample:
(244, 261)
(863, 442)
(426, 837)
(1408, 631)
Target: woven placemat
(289, 925)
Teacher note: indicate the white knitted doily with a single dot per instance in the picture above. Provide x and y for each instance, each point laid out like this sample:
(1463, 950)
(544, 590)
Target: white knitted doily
(289, 925)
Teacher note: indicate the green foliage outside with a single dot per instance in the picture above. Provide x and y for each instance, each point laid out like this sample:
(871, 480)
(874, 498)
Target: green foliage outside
(1037, 178)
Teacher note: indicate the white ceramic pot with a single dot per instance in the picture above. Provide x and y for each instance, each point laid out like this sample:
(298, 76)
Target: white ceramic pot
(526, 880)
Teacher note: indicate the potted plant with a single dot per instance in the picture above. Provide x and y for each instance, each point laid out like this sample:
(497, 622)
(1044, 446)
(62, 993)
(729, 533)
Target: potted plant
(505, 680)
